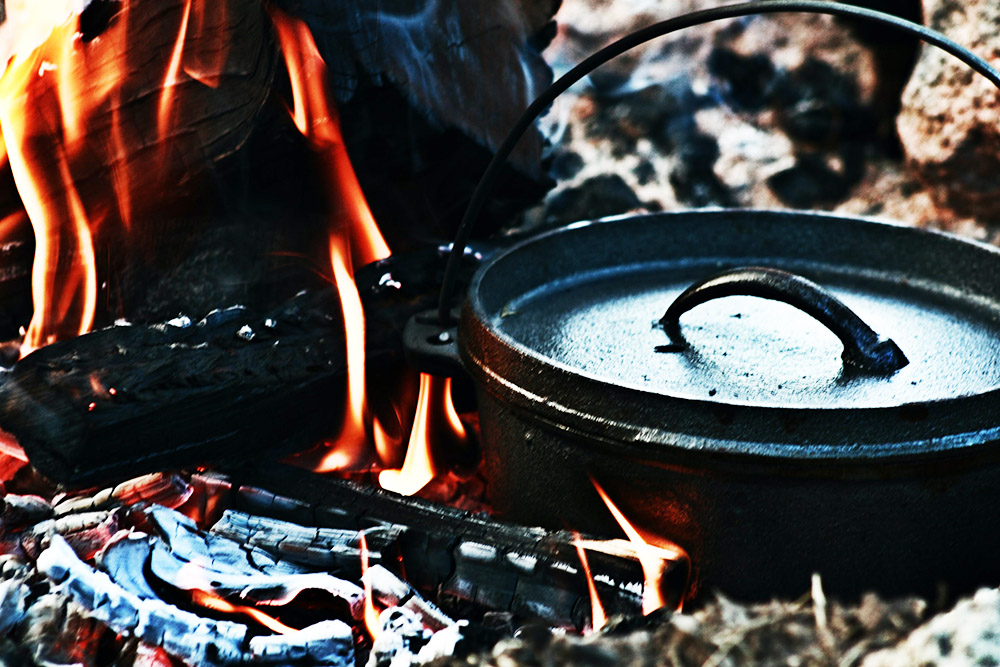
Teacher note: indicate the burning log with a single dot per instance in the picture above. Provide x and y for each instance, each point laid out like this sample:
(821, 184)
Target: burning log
(234, 386)
(159, 154)
(460, 555)
(169, 490)
(333, 549)
(153, 397)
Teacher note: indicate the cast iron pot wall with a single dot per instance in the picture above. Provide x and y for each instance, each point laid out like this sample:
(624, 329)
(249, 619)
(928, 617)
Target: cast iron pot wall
(893, 499)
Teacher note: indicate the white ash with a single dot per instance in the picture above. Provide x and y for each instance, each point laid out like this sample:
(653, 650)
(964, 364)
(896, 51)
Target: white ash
(13, 595)
(400, 637)
(391, 591)
(231, 569)
(193, 639)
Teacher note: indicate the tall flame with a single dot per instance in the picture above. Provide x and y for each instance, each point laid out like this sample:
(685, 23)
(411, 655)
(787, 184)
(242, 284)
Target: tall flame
(435, 420)
(350, 449)
(316, 118)
(597, 616)
(652, 558)
(61, 111)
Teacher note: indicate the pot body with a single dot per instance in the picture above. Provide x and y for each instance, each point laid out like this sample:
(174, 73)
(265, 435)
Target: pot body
(755, 531)
(894, 498)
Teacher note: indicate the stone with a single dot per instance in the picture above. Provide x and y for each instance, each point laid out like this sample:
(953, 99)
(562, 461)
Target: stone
(949, 124)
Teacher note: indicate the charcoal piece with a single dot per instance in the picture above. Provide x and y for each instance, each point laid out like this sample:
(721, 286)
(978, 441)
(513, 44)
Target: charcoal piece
(454, 554)
(597, 197)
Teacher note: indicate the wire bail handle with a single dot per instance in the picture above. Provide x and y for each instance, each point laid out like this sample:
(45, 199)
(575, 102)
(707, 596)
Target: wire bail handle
(641, 36)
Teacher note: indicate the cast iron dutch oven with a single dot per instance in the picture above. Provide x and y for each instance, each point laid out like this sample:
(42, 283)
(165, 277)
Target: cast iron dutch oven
(779, 393)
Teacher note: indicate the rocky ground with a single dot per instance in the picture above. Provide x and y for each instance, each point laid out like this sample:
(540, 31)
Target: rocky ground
(790, 111)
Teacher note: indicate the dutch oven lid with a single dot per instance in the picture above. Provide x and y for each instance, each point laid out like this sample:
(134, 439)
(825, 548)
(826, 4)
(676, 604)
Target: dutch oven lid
(589, 301)
(750, 345)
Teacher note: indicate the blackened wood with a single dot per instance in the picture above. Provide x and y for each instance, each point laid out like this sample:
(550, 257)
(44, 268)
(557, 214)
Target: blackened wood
(134, 399)
(458, 554)
(129, 400)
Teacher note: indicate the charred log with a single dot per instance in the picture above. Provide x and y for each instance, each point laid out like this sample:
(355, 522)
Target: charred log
(464, 558)
(132, 399)
(237, 385)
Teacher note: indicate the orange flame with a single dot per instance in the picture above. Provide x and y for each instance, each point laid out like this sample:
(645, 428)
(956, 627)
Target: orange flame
(371, 614)
(350, 449)
(65, 296)
(434, 405)
(597, 616)
(213, 601)
(652, 558)
(316, 118)
(171, 79)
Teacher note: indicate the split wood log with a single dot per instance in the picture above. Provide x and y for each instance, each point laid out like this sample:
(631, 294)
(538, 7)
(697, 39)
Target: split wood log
(190, 173)
(133, 399)
(129, 400)
(456, 554)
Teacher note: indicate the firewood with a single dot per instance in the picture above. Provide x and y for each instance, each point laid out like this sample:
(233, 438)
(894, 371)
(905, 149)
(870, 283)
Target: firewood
(236, 385)
(153, 397)
(391, 591)
(198, 189)
(335, 550)
(455, 554)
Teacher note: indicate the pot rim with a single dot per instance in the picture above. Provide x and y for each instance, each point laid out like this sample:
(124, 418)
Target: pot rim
(524, 378)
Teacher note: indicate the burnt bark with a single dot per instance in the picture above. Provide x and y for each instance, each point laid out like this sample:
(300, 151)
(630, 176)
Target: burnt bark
(237, 385)
(469, 561)
(133, 399)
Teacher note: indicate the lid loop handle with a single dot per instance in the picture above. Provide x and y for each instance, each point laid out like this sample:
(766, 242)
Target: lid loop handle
(864, 349)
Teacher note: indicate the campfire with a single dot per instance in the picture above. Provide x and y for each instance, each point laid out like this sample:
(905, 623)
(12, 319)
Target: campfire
(243, 422)
(180, 175)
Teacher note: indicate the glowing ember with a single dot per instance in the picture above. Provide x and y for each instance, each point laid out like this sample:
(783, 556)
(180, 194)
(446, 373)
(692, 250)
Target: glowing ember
(652, 558)
(212, 601)
(597, 616)
(371, 614)
(435, 421)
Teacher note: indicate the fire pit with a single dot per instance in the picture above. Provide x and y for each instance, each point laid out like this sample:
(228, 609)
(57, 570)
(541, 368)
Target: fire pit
(230, 561)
